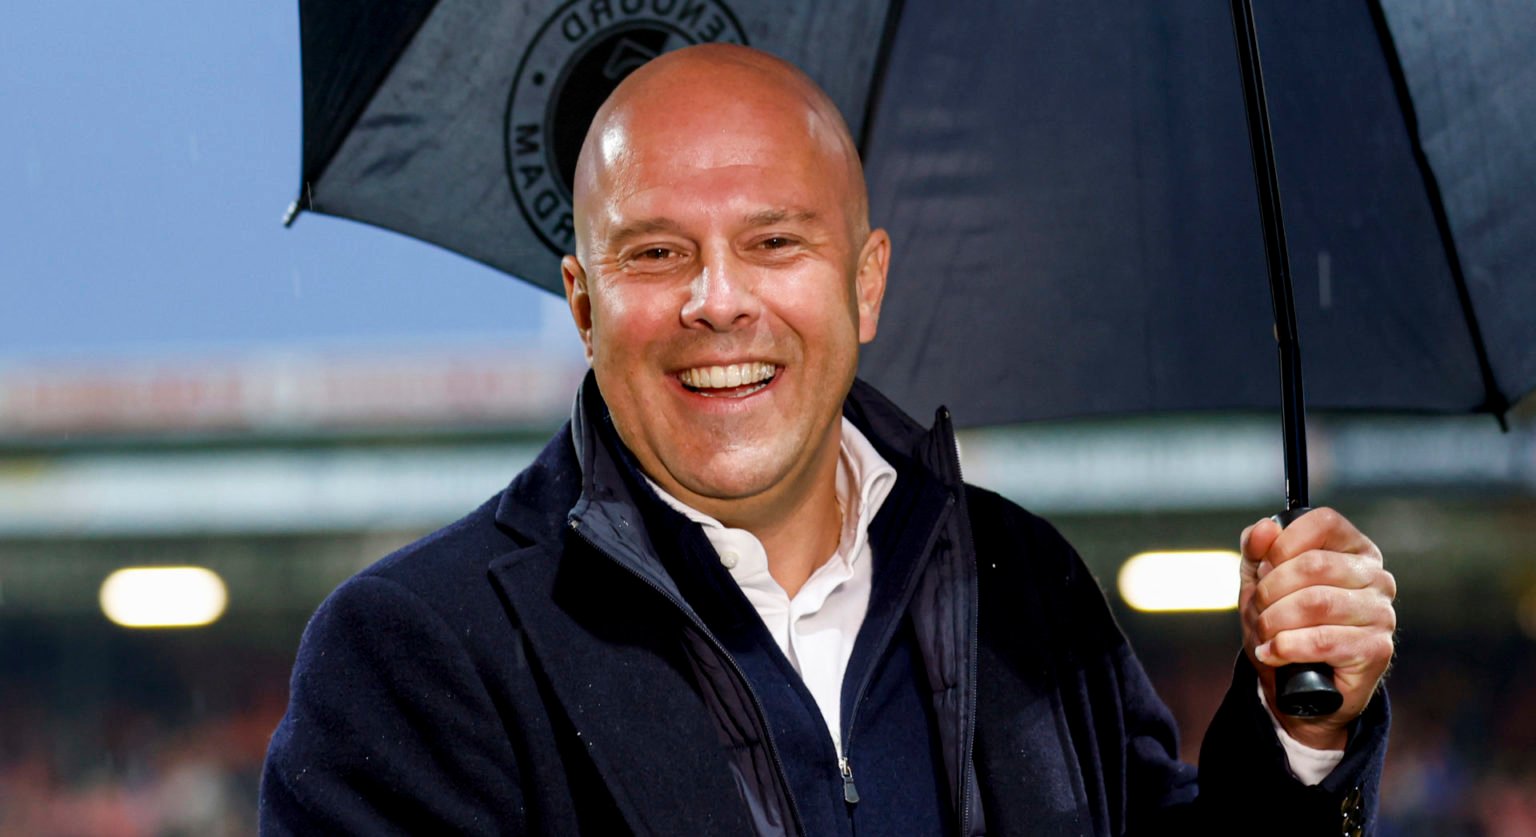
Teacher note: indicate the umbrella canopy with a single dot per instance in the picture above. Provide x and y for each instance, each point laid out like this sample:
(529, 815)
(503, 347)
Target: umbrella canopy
(1068, 186)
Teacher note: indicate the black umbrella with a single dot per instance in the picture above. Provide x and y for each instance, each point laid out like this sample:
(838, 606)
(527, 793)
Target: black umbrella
(1066, 183)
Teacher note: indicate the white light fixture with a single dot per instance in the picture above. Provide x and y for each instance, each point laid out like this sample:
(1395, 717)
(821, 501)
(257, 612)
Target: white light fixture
(163, 597)
(1162, 582)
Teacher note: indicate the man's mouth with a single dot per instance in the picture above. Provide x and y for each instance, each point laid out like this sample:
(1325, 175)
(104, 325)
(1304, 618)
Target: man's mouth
(737, 380)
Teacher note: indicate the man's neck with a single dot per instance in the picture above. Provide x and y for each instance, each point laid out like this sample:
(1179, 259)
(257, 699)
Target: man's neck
(799, 525)
(799, 542)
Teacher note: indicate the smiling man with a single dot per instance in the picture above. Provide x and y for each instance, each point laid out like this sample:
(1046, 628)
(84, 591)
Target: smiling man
(722, 284)
(742, 593)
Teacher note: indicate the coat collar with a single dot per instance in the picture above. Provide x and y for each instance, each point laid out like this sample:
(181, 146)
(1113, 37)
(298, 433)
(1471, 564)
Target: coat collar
(608, 649)
(544, 500)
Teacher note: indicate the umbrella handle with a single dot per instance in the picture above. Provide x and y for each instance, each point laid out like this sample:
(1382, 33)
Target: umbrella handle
(1305, 690)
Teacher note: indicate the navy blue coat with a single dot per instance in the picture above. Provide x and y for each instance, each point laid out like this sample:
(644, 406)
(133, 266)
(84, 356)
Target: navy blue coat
(533, 669)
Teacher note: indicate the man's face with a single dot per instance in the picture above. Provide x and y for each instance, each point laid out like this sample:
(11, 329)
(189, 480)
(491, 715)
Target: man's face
(723, 288)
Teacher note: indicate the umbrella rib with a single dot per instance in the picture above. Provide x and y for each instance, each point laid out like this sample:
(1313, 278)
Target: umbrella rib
(877, 76)
(1494, 400)
(306, 198)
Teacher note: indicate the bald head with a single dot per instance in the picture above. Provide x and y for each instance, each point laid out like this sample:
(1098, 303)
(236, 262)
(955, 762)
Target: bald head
(724, 278)
(713, 94)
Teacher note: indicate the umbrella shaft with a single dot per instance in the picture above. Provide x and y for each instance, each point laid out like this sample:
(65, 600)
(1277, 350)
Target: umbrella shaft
(1292, 403)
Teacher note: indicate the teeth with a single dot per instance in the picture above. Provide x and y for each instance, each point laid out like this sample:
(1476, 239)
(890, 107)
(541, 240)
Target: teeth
(722, 377)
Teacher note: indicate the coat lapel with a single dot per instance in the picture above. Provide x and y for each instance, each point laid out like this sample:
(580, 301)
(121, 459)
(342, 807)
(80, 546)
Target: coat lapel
(610, 653)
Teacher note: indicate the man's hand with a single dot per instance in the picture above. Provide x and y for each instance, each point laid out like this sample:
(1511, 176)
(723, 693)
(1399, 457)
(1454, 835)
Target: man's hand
(1317, 592)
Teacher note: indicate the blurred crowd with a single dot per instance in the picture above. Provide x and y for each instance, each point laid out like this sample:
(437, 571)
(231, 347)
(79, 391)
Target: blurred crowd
(1463, 752)
(126, 772)
(1462, 760)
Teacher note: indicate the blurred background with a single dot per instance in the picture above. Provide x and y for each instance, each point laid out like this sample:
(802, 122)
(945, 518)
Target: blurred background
(184, 383)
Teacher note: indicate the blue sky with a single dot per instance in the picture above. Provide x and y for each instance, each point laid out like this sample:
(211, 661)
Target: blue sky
(148, 154)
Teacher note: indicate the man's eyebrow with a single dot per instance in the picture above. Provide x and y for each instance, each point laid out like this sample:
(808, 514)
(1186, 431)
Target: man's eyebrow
(769, 217)
(644, 226)
(764, 218)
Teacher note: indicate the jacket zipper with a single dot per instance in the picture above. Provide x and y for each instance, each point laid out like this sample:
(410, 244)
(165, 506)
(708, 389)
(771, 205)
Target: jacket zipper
(757, 705)
(970, 719)
(850, 791)
(844, 766)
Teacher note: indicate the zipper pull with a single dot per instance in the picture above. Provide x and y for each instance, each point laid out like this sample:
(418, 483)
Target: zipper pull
(850, 793)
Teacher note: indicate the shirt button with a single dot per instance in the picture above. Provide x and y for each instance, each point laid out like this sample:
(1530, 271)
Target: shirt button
(730, 559)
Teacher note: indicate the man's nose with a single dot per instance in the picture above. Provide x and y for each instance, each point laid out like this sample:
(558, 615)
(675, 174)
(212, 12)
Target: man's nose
(721, 297)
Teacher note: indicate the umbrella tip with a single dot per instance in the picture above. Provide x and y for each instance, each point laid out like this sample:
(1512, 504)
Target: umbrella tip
(307, 199)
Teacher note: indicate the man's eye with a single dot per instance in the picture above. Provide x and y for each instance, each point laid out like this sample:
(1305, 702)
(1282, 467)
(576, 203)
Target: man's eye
(774, 243)
(654, 253)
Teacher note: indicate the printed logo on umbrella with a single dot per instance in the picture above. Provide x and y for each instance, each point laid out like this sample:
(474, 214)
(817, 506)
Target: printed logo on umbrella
(578, 56)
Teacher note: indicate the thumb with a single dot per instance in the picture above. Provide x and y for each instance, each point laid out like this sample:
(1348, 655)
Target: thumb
(1255, 543)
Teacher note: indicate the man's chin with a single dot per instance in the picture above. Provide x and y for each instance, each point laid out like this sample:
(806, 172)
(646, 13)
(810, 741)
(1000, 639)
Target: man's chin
(732, 490)
(728, 480)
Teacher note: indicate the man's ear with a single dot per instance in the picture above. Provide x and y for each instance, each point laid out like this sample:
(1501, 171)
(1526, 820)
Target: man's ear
(576, 296)
(869, 285)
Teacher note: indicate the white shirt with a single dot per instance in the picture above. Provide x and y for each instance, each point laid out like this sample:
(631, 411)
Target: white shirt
(817, 628)
(1308, 764)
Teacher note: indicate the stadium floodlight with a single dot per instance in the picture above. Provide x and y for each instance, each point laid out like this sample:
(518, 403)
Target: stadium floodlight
(163, 597)
(1174, 581)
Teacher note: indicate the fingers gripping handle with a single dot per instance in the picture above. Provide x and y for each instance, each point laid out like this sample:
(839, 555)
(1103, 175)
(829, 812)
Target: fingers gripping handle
(1304, 690)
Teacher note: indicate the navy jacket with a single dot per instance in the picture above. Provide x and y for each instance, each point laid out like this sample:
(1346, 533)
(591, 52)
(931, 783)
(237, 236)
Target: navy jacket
(532, 668)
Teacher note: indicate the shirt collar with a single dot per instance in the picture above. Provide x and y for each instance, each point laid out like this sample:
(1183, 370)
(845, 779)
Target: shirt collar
(858, 464)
